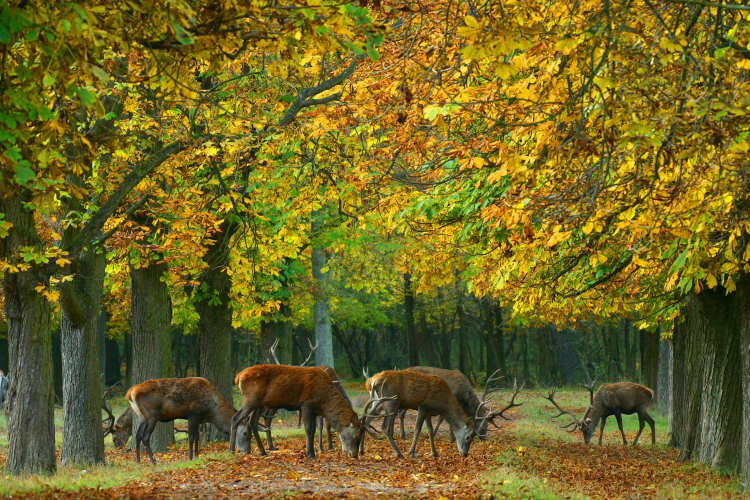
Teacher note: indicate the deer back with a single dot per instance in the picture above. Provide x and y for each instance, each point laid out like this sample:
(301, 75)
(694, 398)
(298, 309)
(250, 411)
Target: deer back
(282, 386)
(457, 383)
(171, 398)
(628, 397)
(416, 389)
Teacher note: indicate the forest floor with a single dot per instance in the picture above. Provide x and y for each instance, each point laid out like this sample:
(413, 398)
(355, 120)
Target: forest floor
(529, 458)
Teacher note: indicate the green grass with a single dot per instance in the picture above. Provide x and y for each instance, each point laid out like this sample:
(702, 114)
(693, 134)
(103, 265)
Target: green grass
(505, 482)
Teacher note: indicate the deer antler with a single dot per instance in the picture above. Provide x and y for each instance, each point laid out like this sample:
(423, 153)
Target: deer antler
(273, 351)
(492, 414)
(590, 387)
(375, 401)
(575, 422)
(490, 379)
(365, 372)
(313, 348)
(110, 420)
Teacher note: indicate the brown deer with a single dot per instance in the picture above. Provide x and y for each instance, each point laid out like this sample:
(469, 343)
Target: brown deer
(429, 395)
(123, 428)
(464, 392)
(308, 389)
(164, 400)
(321, 422)
(611, 399)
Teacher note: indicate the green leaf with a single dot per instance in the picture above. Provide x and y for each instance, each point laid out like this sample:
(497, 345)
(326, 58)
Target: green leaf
(24, 174)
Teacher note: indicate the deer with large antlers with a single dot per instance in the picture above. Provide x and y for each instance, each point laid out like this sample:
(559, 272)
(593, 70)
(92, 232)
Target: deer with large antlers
(164, 400)
(308, 389)
(430, 396)
(611, 399)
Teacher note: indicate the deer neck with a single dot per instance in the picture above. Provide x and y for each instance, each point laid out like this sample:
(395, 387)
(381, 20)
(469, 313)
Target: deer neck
(594, 412)
(455, 416)
(223, 415)
(337, 411)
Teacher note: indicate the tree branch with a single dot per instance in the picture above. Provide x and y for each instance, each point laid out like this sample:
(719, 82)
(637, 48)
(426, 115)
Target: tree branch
(94, 225)
(305, 97)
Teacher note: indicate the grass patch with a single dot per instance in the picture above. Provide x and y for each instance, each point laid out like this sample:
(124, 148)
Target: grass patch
(505, 482)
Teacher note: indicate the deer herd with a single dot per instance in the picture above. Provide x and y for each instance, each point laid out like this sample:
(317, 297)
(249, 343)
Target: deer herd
(317, 393)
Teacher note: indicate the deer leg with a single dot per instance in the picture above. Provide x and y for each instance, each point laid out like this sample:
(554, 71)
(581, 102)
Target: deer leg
(389, 425)
(641, 425)
(328, 433)
(319, 425)
(192, 438)
(431, 435)
(618, 416)
(140, 425)
(652, 424)
(268, 416)
(254, 425)
(299, 421)
(601, 433)
(401, 416)
(310, 425)
(450, 433)
(236, 420)
(147, 439)
(417, 431)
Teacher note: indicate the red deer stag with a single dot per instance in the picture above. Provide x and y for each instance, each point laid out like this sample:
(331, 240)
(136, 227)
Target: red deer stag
(430, 396)
(164, 400)
(464, 392)
(611, 399)
(307, 389)
(269, 414)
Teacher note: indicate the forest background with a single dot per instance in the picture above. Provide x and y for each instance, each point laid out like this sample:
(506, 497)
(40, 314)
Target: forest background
(555, 189)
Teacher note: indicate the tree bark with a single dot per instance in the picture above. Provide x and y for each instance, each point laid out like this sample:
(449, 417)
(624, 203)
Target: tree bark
(664, 382)
(462, 345)
(321, 308)
(31, 428)
(83, 440)
(151, 335)
(708, 377)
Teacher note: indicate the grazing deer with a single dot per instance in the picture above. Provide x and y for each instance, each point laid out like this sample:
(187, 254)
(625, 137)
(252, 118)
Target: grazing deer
(269, 414)
(429, 395)
(611, 399)
(123, 428)
(465, 394)
(164, 400)
(307, 389)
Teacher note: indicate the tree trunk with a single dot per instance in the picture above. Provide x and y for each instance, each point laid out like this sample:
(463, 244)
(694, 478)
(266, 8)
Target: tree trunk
(151, 335)
(215, 318)
(321, 309)
(708, 383)
(664, 382)
(31, 427)
(57, 365)
(462, 345)
(650, 344)
(112, 372)
(128, 341)
(83, 440)
(411, 327)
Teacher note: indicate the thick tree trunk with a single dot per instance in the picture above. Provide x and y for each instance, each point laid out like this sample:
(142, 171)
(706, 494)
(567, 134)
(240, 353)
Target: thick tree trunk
(321, 309)
(411, 327)
(708, 377)
(215, 318)
(83, 440)
(151, 335)
(463, 347)
(57, 364)
(31, 428)
(128, 341)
